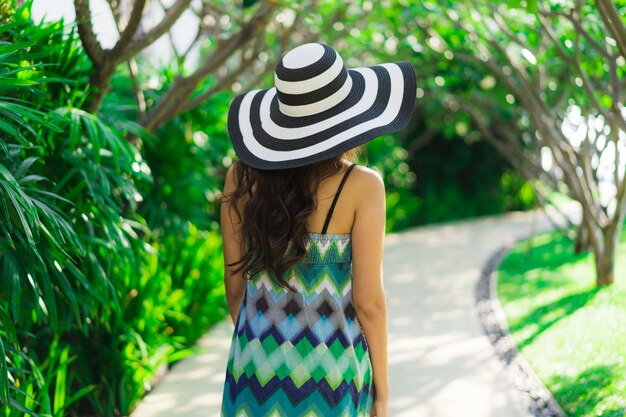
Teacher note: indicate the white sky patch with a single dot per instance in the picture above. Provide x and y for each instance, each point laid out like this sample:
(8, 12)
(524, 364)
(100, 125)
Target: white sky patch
(183, 31)
(529, 56)
(575, 127)
(103, 23)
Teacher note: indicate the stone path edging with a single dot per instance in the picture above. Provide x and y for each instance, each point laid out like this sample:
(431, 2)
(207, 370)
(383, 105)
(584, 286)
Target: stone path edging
(538, 399)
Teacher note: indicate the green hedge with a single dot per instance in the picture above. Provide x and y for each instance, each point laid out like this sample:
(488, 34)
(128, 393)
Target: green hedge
(97, 292)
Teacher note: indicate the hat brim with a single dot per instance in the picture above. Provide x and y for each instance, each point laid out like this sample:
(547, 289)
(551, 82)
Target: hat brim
(381, 101)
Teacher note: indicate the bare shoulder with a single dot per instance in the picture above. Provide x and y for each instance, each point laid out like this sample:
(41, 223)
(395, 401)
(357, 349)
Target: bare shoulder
(366, 174)
(368, 182)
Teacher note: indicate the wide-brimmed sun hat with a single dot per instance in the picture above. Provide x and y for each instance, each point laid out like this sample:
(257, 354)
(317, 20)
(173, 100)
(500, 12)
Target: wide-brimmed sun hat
(319, 109)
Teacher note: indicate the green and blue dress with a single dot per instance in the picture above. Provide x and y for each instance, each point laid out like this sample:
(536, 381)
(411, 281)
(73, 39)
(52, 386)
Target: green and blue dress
(303, 353)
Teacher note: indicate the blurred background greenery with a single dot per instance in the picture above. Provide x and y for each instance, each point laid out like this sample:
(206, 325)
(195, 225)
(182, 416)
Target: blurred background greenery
(110, 161)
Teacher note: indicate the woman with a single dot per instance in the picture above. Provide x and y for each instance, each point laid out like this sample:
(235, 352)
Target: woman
(304, 278)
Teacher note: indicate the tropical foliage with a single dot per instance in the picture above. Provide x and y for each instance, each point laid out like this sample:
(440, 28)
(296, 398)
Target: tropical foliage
(94, 297)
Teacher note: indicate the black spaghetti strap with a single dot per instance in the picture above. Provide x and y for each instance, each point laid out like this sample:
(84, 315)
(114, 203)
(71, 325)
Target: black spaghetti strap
(332, 206)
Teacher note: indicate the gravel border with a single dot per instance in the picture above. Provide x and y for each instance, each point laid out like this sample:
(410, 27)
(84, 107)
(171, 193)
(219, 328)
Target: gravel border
(535, 396)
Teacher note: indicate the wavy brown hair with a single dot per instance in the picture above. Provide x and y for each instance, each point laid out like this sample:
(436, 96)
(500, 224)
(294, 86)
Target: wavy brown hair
(279, 203)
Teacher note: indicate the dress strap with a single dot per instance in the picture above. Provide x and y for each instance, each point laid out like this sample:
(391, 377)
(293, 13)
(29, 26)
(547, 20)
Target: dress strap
(332, 206)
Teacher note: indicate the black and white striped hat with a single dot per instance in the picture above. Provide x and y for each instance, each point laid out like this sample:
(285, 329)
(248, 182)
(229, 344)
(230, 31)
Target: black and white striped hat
(318, 109)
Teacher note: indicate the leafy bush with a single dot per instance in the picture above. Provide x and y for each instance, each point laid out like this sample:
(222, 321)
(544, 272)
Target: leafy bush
(93, 298)
(458, 180)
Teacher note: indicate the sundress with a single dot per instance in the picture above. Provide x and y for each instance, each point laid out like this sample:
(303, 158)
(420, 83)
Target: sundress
(301, 354)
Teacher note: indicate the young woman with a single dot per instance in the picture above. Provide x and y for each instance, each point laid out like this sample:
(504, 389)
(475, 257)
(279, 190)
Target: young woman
(304, 277)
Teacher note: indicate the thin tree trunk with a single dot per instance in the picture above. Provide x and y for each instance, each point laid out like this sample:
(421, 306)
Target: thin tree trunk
(99, 81)
(605, 257)
(582, 242)
(605, 268)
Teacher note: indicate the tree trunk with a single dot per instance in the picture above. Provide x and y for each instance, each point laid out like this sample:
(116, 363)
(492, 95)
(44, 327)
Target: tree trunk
(604, 268)
(582, 242)
(99, 81)
(605, 257)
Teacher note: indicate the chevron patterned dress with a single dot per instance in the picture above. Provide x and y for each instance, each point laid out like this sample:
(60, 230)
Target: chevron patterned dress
(301, 354)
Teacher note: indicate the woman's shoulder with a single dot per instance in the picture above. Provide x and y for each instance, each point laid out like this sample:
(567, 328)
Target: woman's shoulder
(364, 186)
(367, 179)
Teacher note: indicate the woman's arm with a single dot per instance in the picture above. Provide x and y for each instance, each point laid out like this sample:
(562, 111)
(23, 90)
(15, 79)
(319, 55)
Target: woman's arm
(231, 237)
(368, 235)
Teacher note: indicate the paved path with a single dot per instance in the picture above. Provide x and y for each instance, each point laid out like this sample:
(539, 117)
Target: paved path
(440, 362)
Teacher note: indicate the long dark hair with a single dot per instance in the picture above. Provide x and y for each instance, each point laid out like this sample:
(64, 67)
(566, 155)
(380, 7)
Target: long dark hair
(274, 217)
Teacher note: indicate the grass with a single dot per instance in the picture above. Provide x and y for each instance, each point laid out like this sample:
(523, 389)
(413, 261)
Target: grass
(572, 333)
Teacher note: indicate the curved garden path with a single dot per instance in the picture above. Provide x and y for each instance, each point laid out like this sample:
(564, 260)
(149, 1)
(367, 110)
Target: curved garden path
(440, 362)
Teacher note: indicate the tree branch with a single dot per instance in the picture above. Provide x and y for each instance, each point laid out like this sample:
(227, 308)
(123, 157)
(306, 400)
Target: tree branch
(544, 202)
(614, 23)
(283, 42)
(183, 87)
(172, 14)
(129, 31)
(422, 140)
(579, 29)
(85, 30)
(589, 87)
(223, 82)
(132, 63)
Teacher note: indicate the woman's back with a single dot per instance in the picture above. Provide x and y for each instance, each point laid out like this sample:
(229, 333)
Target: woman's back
(304, 353)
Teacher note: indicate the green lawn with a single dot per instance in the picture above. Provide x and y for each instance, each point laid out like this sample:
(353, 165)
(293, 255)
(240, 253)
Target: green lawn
(573, 334)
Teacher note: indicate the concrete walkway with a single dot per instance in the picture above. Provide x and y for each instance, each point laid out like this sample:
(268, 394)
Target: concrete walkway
(440, 362)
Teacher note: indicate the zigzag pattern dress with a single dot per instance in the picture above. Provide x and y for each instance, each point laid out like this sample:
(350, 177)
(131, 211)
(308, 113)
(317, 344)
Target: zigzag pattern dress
(301, 354)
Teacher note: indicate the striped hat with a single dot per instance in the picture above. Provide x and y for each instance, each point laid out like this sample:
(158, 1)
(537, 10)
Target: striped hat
(319, 109)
